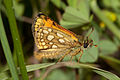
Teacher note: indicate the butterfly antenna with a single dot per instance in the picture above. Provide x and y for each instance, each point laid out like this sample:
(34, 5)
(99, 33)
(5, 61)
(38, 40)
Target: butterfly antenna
(90, 32)
(89, 35)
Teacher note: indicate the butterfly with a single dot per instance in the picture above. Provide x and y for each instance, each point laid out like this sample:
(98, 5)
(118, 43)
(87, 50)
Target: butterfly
(54, 41)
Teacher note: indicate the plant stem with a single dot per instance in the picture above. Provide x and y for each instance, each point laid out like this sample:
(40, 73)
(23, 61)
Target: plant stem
(16, 38)
(7, 51)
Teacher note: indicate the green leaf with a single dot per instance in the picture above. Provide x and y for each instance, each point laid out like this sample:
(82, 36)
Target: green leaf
(81, 5)
(91, 54)
(73, 16)
(59, 3)
(54, 75)
(72, 3)
(94, 36)
(107, 47)
(68, 24)
(76, 14)
(19, 8)
(84, 8)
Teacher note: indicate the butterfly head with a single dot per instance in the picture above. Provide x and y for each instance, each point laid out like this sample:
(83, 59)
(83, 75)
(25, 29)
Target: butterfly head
(87, 42)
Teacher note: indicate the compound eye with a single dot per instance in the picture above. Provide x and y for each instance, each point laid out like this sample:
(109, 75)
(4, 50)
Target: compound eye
(86, 45)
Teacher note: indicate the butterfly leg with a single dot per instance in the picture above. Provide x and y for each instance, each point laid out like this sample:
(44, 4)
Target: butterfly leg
(75, 53)
(80, 56)
(71, 58)
(64, 55)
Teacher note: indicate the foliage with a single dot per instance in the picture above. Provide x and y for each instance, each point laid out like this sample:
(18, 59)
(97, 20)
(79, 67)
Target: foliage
(76, 15)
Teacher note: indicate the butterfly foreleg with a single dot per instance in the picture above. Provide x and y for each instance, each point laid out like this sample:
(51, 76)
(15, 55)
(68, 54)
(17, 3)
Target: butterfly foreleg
(74, 53)
(80, 55)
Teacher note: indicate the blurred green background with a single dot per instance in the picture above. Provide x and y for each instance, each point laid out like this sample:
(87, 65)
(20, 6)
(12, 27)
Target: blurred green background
(79, 16)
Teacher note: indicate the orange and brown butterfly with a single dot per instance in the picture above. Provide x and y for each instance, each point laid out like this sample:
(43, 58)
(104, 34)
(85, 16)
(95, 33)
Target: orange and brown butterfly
(54, 41)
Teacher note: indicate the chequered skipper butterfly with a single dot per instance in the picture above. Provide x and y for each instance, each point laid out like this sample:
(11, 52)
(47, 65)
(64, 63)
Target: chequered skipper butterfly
(54, 41)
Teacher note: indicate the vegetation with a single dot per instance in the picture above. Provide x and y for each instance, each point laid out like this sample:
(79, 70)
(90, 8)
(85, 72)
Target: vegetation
(17, 44)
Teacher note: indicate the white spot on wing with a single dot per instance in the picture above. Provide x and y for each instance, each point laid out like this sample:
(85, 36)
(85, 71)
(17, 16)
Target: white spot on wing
(38, 34)
(61, 41)
(40, 30)
(42, 39)
(41, 34)
(43, 43)
(49, 30)
(58, 34)
(50, 43)
(54, 46)
(45, 31)
(50, 37)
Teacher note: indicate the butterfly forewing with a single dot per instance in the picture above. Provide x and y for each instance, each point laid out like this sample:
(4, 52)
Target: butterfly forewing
(51, 39)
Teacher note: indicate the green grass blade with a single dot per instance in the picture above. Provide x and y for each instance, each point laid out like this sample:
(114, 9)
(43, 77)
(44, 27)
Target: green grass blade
(7, 51)
(16, 38)
(38, 66)
(104, 73)
(103, 18)
(111, 59)
(101, 72)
